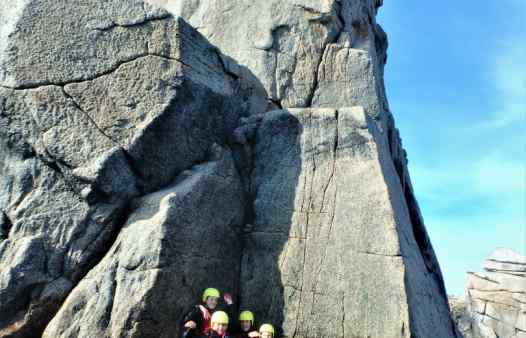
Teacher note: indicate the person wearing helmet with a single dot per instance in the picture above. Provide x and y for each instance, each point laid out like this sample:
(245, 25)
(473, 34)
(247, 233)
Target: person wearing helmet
(266, 331)
(218, 326)
(245, 327)
(196, 322)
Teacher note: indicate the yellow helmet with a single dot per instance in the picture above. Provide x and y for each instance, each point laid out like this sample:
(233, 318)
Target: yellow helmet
(210, 292)
(267, 328)
(219, 317)
(247, 315)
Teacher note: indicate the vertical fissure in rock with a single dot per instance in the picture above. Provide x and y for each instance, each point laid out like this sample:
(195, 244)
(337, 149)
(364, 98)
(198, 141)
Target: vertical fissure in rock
(244, 161)
(333, 211)
(314, 87)
(277, 33)
(419, 231)
(396, 151)
(340, 22)
(5, 225)
(343, 315)
(333, 164)
(306, 235)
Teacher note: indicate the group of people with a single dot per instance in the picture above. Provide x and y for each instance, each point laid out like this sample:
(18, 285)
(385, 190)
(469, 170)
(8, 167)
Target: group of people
(203, 321)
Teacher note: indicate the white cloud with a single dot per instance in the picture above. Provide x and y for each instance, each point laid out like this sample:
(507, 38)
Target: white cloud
(508, 71)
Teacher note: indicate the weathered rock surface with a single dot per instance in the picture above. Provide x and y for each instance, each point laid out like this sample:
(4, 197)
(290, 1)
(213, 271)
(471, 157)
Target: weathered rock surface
(84, 133)
(496, 298)
(139, 164)
(341, 256)
(292, 45)
(149, 275)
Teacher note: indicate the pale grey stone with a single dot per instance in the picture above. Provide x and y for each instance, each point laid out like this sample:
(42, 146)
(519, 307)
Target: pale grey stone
(478, 306)
(502, 313)
(507, 261)
(506, 255)
(325, 213)
(284, 42)
(347, 77)
(520, 324)
(516, 269)
(499, 327)
(496, 299)
(500, 297)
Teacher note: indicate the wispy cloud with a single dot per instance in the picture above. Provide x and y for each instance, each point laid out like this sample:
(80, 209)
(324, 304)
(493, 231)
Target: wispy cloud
(461, 109)
(474, 198)
(508, 71)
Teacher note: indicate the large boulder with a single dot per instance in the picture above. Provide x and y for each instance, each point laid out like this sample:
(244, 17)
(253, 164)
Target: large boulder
(496, 298)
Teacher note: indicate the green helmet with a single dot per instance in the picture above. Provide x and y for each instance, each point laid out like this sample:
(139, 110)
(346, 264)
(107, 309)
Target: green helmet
(267, 328)
(210, 292)
(219, 317)
(247, 315)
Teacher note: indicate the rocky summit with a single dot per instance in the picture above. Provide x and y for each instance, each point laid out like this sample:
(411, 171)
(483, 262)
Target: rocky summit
(495, 304)
(151, 149)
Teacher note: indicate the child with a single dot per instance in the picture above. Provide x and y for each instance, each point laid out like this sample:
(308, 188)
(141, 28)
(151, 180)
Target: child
(219, 325)
(266, 331)
(197, 321)
(246, 326)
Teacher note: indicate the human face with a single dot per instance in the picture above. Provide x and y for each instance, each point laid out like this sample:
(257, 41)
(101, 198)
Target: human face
(245, 325)
(211, 302)
(266, 335)
(219, 328)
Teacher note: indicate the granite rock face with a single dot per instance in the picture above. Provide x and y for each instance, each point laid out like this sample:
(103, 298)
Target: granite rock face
(496, 298)
(301, 50)
(147, 277)
(140, 164)
(91, 132)
(341, 258)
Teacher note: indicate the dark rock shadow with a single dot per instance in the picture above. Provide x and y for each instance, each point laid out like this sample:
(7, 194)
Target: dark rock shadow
(272, 189)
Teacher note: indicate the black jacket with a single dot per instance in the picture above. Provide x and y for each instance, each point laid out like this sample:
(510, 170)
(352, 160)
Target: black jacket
(237, 333)
(194, 314)
(241, 334)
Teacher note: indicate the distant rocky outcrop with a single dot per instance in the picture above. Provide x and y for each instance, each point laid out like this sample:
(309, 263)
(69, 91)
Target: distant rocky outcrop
(495, 305)
(140, 164)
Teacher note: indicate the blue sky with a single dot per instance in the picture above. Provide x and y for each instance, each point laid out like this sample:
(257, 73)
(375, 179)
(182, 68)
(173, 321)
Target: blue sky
(456, 82)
